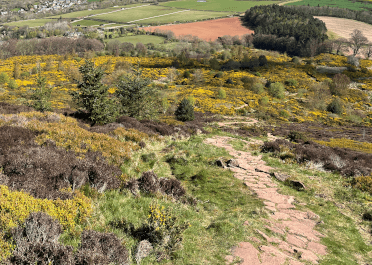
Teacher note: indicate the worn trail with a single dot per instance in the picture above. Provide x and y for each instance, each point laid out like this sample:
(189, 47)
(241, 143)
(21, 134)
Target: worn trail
(302, 241)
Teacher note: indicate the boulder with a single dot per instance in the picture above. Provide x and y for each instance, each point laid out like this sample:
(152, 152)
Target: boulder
(354, 61)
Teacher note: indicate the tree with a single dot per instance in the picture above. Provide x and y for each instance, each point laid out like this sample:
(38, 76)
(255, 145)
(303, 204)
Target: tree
(357, 40)
(340, 45)
(137, 98)
(41, 96)
(368, 50)
(93, 96)
(185, 111)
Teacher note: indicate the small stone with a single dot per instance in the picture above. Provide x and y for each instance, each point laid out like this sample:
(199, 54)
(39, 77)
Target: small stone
(280, 176)
(220, 163)
(143, 250)
(232, 163)
(298, 185)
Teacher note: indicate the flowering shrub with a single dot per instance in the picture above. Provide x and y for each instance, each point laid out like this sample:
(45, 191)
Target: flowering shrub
(16, 207)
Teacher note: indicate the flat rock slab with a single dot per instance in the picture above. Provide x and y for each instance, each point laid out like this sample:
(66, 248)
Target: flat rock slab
(297, 227)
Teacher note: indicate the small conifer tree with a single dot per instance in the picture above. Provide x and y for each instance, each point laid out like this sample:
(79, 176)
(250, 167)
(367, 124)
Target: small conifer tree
(41, 96)
(185, 111)
(93, 95)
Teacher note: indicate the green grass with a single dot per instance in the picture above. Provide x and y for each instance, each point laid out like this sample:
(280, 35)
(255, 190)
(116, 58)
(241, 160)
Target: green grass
(140, 38)
(224, 203)
(218, 5)
(135, 14)
(87, 23)
(85, 13)
(30, 23)
(333, 3)
(185, 16)
(343, 240)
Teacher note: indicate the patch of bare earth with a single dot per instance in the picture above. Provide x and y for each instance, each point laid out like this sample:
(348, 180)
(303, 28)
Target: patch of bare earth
(302, 242)
(207, 30)
(344, 27)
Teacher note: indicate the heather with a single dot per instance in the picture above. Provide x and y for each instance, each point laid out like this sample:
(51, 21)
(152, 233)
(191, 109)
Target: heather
(118, 168)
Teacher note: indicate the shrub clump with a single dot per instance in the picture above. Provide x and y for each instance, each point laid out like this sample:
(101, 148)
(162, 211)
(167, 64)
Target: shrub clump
(276, 90)
(150, 183)
(297, 137)
(104, 248)
(336, 106)
(339, 85)
(37, 242)
(185, 111)
(221, 93)
(363, 183)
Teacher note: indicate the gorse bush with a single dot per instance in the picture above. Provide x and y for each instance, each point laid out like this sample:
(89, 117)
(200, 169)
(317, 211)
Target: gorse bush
(4, 78)
(291, 82)
(16, 207)
(276, 90)
(257, 88)
(12, 84)
(185, 111)
(221, 93)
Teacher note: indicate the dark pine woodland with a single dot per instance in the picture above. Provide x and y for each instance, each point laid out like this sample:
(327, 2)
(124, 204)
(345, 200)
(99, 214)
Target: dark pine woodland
(286, 30)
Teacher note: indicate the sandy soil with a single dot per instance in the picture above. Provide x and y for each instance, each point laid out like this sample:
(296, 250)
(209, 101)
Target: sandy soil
(207, 30)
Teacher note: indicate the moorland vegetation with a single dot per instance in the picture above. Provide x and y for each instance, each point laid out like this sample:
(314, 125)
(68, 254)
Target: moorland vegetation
(103, 159)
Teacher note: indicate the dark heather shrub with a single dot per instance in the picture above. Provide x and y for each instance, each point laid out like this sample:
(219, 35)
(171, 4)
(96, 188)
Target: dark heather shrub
(185, 111)
(89, 257)
(104, 244)
(339, 85)
(6, 108)
(149, 182)
(275, 146)
(262, 60)
(336, 106)
(11, 136)
(43, 170)
(172, 187)
(296, 137)
(37, 242)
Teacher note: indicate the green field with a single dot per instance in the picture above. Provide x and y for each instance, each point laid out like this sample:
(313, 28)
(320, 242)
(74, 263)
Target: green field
(30, 23)
(334, 3)
(85, 13)
(140, 38)
(87, 23)
(185, 16)
(218, 5)
(135, 14)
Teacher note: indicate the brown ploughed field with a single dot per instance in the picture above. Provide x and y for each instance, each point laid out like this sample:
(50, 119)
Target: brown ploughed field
(207, 30)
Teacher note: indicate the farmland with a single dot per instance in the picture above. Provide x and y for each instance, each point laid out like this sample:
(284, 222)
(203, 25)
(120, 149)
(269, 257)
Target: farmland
(184, 16)
(353, 5)
(139, 38)
(218, 5)
(207, 30)
(126, 16)
(30, 23)
(344, 27)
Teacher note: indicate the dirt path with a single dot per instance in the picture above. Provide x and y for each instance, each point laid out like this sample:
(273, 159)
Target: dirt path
(302, 241)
